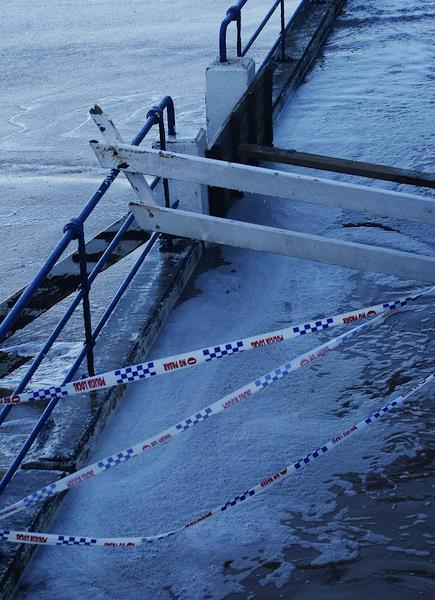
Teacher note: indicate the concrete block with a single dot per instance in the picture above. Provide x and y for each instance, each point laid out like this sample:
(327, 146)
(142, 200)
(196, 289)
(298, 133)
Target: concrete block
(191, 196)
(225, 85)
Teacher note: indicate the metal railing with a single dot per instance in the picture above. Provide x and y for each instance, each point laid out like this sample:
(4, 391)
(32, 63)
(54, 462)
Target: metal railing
(74, 230)
(234, 14)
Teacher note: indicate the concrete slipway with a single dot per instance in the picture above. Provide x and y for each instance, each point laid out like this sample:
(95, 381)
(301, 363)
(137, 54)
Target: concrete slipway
(357, 523)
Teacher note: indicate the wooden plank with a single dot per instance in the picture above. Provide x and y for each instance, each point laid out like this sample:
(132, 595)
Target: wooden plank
(258, 180)
(337, 165)
(287, 243)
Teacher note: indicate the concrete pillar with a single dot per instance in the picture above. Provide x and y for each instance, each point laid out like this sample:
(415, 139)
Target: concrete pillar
(225, 85)
(191, 196)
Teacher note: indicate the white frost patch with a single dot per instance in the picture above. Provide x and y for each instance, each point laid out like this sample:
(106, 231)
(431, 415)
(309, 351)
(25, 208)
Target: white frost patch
(279, 577)
(410, 551)
(337, 551)
(52, 370)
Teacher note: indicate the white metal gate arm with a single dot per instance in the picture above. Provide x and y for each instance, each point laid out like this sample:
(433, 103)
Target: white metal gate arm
(288, 243)
(259, 180)
(112, 135)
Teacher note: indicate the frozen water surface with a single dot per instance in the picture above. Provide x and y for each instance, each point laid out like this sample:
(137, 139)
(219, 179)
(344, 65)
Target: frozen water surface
(356, 523)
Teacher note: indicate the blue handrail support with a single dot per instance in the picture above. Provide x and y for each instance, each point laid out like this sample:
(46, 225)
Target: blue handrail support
(74, 230)
(234, 14)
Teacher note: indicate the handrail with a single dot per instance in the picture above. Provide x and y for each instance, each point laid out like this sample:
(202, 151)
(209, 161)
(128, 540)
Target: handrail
(153, 118)
(53, 403)
(74, 230)
(234, 14)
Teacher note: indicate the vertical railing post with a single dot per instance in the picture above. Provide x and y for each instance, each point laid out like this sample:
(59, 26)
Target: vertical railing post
(78, 231)
(233, 14)
(170, 114)
(157, 112)
(282, 31)
(75, 230)
(162, 139)
(239, 31)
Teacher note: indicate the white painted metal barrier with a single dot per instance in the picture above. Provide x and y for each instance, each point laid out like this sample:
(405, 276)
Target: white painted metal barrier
(288, 243)
(269, 182)
(274, 183)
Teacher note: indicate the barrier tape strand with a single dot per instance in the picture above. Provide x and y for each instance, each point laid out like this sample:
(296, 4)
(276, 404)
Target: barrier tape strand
(170, 364)
(127, 542)
(246, 391)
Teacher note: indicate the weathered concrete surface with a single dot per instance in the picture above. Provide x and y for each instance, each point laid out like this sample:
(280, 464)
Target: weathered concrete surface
(75, 424)
(126, 339)
(13, 558)
(190, 196)
(304, 39)
(225, 84)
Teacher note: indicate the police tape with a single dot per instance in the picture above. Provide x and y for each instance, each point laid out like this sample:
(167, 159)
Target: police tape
(51, 539)
(247, 391)
(169, 364)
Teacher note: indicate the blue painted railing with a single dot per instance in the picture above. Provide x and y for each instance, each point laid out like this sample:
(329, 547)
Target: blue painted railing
(74, 230)
(234, 14)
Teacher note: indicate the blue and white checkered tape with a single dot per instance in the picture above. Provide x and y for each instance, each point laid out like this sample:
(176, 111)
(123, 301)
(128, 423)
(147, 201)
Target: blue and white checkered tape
(130, 374)
(202, 415)
(222, 350)
(192, 421)
(313, 327)
(41, 495)
(116, 459)
(238, 499)
(399, 302)
(309, 457)
(59, 540)
(52, 392)
(135, 373)
(273, 376)
(378, 414)
(73, 540)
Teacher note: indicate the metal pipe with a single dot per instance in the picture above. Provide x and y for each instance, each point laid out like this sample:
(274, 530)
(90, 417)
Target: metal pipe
(86, 287)
(63, 321)
(53, 403)
(261, 27)
(162, 137)
(165, 103)
(233, 14)
(281, 38)
(282, 31)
